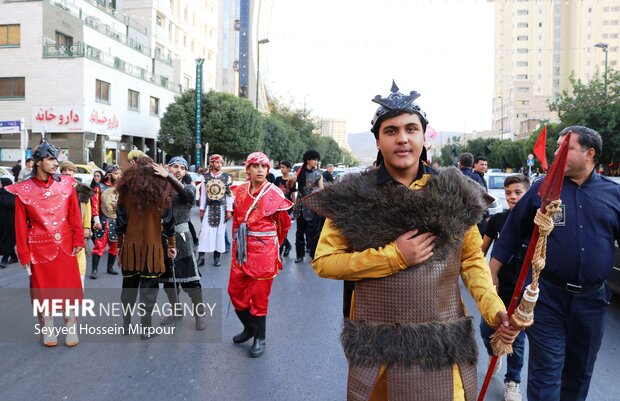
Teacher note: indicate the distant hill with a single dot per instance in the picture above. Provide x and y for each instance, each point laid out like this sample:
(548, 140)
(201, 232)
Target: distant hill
(363, 144)
(363, 147)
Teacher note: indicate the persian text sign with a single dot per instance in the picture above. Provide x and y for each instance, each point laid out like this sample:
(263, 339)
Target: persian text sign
(58, 119)
(102, 121)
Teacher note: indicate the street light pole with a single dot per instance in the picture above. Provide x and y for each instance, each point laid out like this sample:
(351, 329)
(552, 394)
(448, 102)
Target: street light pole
(501, 120)
(260, 42)
(605, 47)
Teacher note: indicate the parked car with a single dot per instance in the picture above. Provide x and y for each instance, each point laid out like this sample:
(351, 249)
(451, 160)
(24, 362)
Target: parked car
(85, 173)
(495, 183)
(196, 180)
(5, 172)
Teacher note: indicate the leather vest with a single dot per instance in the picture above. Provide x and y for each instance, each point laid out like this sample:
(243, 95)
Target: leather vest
(413, 321)
(48, 211)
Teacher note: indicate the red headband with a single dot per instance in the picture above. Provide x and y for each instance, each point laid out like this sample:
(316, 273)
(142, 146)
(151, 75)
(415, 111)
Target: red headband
(257, 158)
(216, 158)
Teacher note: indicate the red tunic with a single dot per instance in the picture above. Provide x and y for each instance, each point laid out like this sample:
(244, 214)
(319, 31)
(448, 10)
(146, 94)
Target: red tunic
(268, 224)
(48, 224)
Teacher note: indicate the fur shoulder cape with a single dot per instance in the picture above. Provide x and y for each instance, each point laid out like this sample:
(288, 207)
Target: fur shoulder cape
(371, 216)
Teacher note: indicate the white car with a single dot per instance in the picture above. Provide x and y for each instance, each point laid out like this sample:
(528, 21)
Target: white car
(5, 172)
(196, 180)
(495, 183)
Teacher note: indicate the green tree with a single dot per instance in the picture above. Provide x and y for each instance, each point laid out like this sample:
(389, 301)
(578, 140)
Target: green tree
(281, 142)
(178, 126)
(588, 104)
(231, 125)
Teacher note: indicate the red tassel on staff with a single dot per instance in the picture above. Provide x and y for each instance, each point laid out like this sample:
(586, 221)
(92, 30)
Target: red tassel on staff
(549, 191)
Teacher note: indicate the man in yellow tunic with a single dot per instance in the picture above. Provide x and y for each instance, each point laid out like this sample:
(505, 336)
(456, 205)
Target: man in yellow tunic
(84, 194)
(403, 233)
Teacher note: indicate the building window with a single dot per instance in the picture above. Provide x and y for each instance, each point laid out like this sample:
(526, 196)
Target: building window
(522, 25)
(521, 63)
(102, 91)
(10, 35)
(522, 12)
(522, 37)
(523, 89)
(154, 106)
(13, 88)
(159, 20)
(133, 100)
(521, 76)
(64, 43)
(522, 51)
(63, 40)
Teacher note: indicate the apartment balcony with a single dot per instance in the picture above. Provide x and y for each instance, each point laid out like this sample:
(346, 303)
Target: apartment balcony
(80, 49)
(97, 24)
(63, 51)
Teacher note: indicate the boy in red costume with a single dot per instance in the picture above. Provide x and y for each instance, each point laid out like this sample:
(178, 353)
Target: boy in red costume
(48, 230)
(260, 225)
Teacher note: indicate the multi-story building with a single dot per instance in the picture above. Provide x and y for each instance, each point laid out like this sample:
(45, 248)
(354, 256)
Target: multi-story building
(241, 68)
(227, 68)
(336, 128)
(538, 45)
(83, 74)
(180, 32)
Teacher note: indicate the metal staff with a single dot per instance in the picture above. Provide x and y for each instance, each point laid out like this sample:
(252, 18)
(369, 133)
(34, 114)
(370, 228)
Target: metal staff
(549, 191)
(174, 281)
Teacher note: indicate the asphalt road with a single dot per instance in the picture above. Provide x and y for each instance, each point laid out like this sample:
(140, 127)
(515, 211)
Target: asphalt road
(303, 359)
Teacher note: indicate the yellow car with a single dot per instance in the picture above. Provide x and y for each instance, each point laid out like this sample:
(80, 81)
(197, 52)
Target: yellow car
(85, 173)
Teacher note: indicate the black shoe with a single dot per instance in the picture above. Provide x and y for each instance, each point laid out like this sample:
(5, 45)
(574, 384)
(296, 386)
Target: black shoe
(146, 325)
(170, 320)
(248, 330)
(201, 322)
(126, 323)
(216, 259)
(201, 259)
(200, 314)
(258, 347)
(2, 266)
(287, 250)
(299, 259)
(93, 272)
(111, 260)
(147, 336)
(12, 260)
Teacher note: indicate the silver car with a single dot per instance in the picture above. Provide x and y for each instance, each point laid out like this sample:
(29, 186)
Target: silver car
(495, 183)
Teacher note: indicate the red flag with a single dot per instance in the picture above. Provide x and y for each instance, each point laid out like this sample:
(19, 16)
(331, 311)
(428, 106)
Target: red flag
(540, 148)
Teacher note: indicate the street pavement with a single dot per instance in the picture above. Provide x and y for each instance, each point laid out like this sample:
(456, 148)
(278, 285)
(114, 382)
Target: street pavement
(303, 359)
